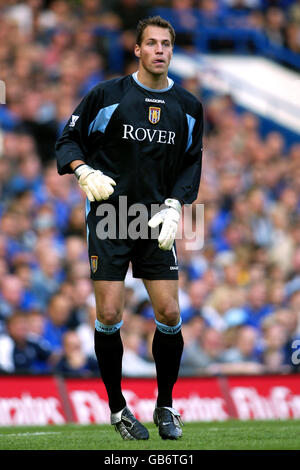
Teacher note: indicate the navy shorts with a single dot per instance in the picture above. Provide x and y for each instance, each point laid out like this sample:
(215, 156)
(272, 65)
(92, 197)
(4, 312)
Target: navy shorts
(109, 258)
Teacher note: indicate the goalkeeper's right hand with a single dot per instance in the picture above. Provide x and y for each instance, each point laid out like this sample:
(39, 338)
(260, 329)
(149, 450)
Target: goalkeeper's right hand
(94, 183)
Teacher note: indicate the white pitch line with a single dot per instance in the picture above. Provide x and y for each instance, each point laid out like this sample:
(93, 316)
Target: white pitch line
(30, 433)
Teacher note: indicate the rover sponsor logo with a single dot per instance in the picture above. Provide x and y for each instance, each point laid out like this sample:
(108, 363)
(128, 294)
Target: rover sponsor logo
(159, 136)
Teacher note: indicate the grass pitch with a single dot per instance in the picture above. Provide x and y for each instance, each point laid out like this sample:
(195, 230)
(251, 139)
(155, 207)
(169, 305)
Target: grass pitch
(229, 435)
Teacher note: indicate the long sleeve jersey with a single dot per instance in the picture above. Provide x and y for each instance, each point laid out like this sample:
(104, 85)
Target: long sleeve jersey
(149, 141)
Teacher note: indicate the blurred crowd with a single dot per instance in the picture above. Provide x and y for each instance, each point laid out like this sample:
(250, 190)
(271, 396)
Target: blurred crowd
(273, 22)
(239, 292)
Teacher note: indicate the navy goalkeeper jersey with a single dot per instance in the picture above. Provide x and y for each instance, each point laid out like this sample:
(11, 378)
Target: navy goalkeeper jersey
(149, 141)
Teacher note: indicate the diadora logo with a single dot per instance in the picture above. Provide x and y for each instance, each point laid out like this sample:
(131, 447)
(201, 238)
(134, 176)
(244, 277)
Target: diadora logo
(73, 120)
(153, 100)
(158, 136)
(154, 114)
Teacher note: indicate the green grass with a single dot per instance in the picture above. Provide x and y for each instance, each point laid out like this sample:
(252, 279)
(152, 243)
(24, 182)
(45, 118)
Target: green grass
(230, 435)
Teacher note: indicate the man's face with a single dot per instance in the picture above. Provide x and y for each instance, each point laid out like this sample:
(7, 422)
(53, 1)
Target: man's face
(155, 51)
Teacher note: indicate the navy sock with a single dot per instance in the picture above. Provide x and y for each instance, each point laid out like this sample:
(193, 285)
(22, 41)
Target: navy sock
(109, 353)
(167, 351)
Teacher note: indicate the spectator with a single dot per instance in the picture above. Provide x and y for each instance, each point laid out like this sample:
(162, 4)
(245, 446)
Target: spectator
(82, 289)
(274, 25)
(74, 249)
(192, 332)
(197, 292)
(73, 362)
(95, 12)
(201, 354)
(233, 318)
(289, 320)
(282, 246)
(259, 219)
(45, 277)
(76, 225)
(275, 346)
(293, 283)
(61, 40)
(12, 298)
(133, 364)
(86, 329)
(277, 294)
(185, 22)
(58, 315)
(245, 349)
(257, 307)
(15, 226)
(289, 199)
(294, 12)
(129, 12)
(21, 353)
(28, 177)
(214, 310)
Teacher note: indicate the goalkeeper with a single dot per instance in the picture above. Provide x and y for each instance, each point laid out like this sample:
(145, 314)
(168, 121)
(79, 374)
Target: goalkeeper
(138, 136)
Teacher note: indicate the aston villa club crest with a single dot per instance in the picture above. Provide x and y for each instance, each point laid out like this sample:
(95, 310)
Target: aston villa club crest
(94, 263)
(154, 114)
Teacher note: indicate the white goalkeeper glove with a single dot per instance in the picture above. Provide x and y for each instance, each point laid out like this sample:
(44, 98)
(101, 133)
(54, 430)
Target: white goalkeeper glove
(169, 219)
(94, 183)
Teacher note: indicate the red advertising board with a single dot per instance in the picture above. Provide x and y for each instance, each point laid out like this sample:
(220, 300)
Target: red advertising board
(266, 397)
(51, 400)
(197, 399)
(30, 401)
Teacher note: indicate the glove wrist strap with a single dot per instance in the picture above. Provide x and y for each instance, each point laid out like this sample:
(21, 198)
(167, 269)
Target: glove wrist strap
(174, 203)
(80, 169)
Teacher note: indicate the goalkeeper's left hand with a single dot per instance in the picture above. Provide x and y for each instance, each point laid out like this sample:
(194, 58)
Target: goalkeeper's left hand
(169, 219)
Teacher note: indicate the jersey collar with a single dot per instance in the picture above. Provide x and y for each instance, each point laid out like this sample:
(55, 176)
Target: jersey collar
(170, 84)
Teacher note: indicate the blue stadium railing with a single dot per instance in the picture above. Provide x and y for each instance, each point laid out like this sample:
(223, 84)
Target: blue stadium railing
(226, 30)
(232, 27)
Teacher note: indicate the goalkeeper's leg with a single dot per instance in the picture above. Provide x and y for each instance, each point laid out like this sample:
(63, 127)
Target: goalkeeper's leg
(109, 353)
(167, 350)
